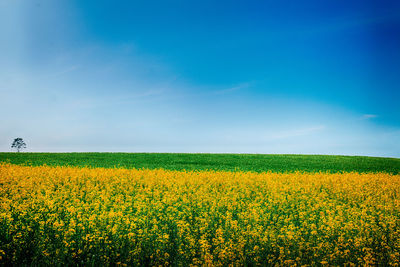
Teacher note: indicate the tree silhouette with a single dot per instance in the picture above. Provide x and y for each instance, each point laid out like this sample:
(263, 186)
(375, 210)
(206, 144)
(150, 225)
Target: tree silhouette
(18, 144)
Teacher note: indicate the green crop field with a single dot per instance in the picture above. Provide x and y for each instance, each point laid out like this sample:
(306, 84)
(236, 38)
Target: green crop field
(227, 162)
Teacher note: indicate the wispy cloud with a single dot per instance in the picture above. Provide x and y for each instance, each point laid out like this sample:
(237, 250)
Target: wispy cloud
(348, 23)
(233, 89)
(369, 116)
(114, 101)
(67, 70)
(297, 132)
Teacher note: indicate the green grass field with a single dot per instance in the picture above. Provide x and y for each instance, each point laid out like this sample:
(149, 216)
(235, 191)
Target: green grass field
(227, 162)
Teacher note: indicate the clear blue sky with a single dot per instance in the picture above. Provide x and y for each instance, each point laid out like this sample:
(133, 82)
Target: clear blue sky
(310, 77)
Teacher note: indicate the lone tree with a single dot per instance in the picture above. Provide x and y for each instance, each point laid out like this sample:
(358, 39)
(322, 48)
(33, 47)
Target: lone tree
(18, 144)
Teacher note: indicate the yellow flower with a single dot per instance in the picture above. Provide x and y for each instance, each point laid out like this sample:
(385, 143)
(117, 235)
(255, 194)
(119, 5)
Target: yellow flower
(212, 218)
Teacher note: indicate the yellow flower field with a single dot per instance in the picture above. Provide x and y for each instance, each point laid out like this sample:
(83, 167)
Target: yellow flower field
(92, 216)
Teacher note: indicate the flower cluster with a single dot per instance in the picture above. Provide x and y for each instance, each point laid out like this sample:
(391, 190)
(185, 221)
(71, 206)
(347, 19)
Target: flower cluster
(93, 216)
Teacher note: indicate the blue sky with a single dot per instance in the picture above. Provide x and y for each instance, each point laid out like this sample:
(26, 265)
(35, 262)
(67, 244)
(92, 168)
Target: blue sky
(309, 77)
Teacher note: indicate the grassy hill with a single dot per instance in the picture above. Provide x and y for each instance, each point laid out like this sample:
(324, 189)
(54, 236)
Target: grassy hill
(228, 162)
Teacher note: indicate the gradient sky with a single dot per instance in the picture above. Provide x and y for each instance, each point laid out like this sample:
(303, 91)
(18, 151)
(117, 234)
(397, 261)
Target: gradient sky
(308, 77)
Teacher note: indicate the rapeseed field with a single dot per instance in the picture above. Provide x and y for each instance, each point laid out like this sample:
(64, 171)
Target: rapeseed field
(98, 216)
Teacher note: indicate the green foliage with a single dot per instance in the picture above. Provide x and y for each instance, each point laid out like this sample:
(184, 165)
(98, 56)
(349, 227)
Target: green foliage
(227, 162)
(18, 144)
